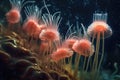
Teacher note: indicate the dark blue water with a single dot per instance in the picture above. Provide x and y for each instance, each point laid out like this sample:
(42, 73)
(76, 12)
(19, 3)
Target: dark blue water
(82, 11)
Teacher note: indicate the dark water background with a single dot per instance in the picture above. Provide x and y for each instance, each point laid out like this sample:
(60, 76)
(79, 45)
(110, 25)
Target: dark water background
(72, 9)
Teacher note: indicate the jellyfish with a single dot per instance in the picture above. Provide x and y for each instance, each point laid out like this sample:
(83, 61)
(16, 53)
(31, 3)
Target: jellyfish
(14, 16)
(70, 37)
(51, 33)
(61, 53)
(31, 24)
(83, 47)
(99, 29)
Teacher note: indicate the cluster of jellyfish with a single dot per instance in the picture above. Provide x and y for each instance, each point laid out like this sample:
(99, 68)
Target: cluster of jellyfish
(45, 28)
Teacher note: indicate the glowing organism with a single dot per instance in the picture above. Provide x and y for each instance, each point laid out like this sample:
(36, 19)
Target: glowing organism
(83, 47)
(61, 53)
(31, 24)
(70, 37)
(99, 29)
(51, 33)
(14, 16)
(69, 43)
